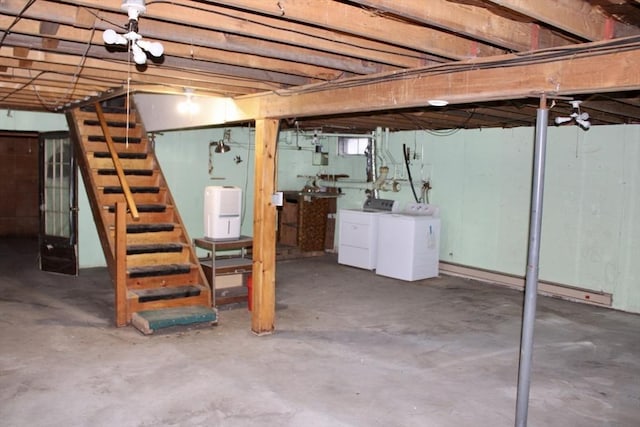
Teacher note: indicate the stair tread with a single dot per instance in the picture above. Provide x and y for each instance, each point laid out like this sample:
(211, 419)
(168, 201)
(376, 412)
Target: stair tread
(158, 270)
(137, 172)
(112, 106)
(174, 292)
(148, 321)
(106, 155)
(116, 139)
(149, 228)
(144, 208)
(110, 123)
(113, 189)
(150, 248)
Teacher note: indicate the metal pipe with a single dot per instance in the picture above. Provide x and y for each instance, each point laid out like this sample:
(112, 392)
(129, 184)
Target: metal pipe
(387, 152)
(531, 279)
(374, 160)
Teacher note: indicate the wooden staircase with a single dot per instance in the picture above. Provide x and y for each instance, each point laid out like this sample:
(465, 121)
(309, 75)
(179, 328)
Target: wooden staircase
(158, 279)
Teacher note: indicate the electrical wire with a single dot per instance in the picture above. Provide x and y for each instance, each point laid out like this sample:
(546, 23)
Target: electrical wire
(74, 78)
(406, 162)
(17, 18)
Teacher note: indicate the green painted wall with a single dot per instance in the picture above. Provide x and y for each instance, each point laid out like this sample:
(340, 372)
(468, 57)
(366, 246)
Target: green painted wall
(31, 121)
(590, 234)
(481, 180)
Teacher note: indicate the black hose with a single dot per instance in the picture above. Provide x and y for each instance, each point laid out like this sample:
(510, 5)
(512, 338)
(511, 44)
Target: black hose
(406, 162)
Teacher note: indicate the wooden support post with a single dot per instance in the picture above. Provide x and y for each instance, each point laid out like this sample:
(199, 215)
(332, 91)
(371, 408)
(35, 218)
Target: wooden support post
(122, 315)
(264, 228)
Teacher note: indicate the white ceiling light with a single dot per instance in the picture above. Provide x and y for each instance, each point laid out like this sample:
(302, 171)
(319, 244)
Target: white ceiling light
(581, 118)
(188, 106)
(134, 9)
(438, 102)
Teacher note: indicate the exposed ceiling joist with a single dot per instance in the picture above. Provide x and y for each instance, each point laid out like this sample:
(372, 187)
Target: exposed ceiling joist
(342, 61)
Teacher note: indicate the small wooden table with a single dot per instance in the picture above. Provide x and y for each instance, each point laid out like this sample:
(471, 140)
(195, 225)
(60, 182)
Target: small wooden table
(220, 265)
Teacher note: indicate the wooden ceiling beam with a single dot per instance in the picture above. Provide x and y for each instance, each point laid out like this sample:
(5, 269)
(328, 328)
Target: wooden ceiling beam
(111, 78)
(198, 53)
(470, 21)
(576, 72)
(576, 17)
(80, 50)
(115, 74)
(232, 33)
(358, 21)
(615, 108)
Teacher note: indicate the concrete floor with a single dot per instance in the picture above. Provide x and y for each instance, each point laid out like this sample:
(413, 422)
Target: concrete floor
(351, 349)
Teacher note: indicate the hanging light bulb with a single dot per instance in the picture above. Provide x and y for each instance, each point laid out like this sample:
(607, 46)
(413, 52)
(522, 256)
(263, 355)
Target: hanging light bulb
(581, 118)
(154, 48)
(139, 56)
(584, 124)
(134, 9)
(561, 120)
(111, 37)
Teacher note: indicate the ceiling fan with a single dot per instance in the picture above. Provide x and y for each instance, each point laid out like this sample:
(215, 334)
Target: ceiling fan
(134, 9)
(581, 118)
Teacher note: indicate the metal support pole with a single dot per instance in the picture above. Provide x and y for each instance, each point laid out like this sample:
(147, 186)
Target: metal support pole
(531, 280)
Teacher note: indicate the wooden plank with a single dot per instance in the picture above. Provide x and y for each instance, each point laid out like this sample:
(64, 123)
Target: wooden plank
(190, 278)
(109, 71)
(158, 237)
(106, 163)
(576, 17)
(358, 21)
(158, 258)
(202, 300)
(134, 180)
(573, 72)
(226, 28)
(200, 40)
(122, 314)
(264, 228)
(149, 321)
(472, 21)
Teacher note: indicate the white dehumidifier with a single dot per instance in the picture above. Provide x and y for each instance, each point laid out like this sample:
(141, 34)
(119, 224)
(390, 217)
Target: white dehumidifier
(222, 212)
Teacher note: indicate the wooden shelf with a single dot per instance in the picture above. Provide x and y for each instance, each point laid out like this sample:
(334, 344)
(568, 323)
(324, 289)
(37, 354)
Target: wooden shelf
(235, 265)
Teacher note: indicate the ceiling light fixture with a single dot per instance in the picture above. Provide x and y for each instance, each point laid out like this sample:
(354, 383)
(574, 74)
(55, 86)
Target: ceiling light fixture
(134, 9)
(438, 102)
(188, 106)
(222, 145)
(580, 118)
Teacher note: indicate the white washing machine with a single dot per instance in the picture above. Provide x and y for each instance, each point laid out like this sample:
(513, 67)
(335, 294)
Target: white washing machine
(409, 243)
(358, 233)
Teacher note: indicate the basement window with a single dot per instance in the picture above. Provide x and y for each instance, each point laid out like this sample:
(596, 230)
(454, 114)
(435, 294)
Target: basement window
(352, 146)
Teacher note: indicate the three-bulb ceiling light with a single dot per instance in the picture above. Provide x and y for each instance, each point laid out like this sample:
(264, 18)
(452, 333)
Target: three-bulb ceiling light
(581, 118)
(134, 9)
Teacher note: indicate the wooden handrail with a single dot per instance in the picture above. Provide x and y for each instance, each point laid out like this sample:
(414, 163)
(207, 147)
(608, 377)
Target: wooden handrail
(131, 204)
